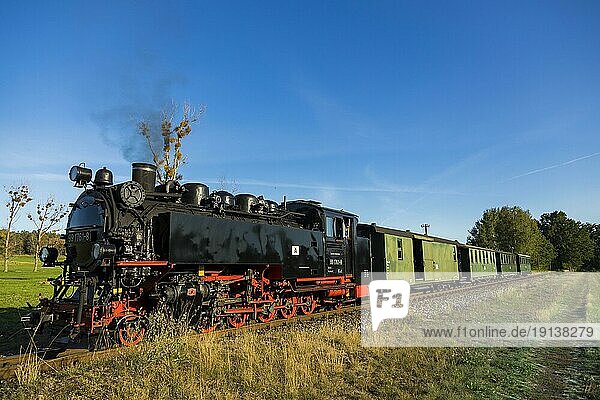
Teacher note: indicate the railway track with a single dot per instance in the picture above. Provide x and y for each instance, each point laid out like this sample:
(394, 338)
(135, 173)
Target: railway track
(12, 365)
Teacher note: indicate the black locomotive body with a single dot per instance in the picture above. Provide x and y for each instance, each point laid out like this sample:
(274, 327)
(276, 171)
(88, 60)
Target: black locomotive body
(218, 259)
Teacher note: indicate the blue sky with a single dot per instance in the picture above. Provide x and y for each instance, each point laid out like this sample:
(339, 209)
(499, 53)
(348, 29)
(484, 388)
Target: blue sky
(402, 112)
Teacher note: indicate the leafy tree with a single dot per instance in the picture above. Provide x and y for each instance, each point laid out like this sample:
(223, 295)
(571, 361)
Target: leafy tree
(170, 157)
(48, 215)
(25, 242)
(18, 197)
(515, 230)
(593, 264)
(484, 232)
(571, 240)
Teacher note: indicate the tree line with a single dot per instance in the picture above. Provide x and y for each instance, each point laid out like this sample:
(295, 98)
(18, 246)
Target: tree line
(23, 242)
(554, 241)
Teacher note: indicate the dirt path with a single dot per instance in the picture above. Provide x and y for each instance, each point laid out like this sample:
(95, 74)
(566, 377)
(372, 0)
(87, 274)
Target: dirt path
(568, 372)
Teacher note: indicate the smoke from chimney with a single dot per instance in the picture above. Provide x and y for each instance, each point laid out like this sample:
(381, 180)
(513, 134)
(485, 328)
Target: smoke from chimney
(139, 101)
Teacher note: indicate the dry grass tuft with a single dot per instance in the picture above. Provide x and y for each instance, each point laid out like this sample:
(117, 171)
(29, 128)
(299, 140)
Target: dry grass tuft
(28, 373)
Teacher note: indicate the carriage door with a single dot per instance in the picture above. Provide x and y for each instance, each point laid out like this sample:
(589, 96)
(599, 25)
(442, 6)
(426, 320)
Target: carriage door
(338, 231)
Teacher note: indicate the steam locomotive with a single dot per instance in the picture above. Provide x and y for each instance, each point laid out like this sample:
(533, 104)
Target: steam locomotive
(222, 260)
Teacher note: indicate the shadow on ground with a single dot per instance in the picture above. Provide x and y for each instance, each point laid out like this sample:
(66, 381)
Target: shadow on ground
(13, 338)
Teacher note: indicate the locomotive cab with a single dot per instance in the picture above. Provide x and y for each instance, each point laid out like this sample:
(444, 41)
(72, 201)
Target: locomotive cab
(339, 228)
(340, 235)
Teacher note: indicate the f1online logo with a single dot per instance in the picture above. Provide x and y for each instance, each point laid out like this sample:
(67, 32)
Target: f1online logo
(388, 300)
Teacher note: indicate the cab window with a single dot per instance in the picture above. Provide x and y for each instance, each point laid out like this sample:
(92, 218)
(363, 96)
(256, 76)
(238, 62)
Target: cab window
(329, 227)
(339, 228)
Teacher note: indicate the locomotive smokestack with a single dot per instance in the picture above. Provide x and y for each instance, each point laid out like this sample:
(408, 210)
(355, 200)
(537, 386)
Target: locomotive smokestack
(144, 174)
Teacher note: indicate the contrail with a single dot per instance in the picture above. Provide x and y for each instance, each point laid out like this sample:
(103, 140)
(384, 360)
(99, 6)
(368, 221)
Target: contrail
(276, 185)
(535, 171)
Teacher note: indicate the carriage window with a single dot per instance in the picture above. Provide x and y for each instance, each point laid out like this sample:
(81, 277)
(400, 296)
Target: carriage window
(454, 253)
(400, 252)
(329, 227)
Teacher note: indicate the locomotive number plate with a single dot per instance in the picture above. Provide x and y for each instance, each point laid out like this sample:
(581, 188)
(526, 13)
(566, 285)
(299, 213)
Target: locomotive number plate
(79, 237)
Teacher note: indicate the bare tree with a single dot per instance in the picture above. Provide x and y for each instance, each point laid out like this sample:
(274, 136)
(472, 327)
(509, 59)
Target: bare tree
(170, 157)
(48, 215)
(230, 185)
(18, 197)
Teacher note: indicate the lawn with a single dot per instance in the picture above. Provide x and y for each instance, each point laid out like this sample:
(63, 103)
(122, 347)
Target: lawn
(19, 286)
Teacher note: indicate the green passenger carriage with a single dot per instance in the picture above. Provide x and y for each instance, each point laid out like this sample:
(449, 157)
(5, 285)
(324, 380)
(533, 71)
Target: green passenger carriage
(506, 263)
(523, 263)
(415, 258)
(477, 263)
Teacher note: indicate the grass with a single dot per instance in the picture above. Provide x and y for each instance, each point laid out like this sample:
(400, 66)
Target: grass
(19, 286)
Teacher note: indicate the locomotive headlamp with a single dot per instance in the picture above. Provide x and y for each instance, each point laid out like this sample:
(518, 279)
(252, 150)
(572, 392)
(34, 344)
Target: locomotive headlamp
(48, 255)
(80, 175)
(103, 250)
